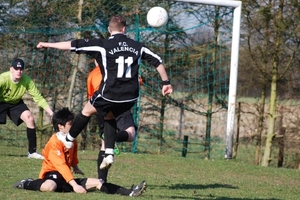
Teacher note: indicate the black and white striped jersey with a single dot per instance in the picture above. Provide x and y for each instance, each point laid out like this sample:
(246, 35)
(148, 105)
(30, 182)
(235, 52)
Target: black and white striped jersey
(119, 58)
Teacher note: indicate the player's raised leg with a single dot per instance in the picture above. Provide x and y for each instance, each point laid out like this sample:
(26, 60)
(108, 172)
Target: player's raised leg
(80, 122)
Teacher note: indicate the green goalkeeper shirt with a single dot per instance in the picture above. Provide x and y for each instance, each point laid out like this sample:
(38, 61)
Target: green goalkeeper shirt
(11, 92)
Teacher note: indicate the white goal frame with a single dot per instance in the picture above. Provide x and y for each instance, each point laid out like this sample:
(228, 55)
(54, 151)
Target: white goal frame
(233, 65)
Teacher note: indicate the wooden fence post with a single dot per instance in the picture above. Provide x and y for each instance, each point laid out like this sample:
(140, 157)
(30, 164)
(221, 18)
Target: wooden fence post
(185, 145)
(281, 139)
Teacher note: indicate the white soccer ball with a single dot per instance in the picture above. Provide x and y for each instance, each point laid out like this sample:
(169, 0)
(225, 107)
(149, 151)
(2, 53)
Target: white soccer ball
(157, 17)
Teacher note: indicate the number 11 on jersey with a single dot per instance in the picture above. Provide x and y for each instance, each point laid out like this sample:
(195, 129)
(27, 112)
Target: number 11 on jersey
(121, 66)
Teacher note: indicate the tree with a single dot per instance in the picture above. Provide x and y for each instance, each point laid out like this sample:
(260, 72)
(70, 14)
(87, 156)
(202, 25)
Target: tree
(272, 42)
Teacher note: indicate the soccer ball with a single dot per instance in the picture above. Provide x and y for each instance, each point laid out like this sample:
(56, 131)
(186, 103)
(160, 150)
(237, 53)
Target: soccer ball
(157, 17)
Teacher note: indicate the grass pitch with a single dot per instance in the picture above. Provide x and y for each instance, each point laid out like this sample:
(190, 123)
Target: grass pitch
(168, 177)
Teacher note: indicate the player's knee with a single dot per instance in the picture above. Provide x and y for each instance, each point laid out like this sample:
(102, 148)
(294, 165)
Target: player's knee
(48, 186)
(88, 110)
(131, 134)
(27, 117)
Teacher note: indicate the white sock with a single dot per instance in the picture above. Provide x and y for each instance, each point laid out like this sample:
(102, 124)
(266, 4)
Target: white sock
(109, 151)
(70, 137)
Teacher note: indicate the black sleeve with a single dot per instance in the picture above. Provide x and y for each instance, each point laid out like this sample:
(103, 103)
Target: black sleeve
(152, 58)
(86, 46)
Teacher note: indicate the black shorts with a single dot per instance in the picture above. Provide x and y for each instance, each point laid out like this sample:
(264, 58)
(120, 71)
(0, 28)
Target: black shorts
(124, 121)
(103, 107)
(13, 111)
(62, 185)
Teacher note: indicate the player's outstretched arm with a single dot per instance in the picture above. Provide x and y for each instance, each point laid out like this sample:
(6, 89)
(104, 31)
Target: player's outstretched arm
(55, 45)
(162, 72)
(167, 87)
(49, 111)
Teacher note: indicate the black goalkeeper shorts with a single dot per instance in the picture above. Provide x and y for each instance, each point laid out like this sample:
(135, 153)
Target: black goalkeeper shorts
(13, 111)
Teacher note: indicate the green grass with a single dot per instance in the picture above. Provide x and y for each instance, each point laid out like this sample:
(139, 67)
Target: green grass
(168, 177)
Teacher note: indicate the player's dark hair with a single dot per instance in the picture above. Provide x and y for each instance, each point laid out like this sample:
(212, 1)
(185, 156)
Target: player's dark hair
(61, 117)
(117, 22)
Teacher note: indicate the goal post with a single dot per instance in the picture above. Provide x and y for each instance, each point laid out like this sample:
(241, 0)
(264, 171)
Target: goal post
(237, 5)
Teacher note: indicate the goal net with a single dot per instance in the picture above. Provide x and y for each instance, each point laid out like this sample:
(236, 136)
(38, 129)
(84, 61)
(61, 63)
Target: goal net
(199, 46)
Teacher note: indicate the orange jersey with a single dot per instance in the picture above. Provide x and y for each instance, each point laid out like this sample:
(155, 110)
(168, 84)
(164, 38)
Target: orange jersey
(93, 81)
(57, 158)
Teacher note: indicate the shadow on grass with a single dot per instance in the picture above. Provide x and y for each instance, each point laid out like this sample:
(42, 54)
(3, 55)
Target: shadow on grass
(13, 155)
(209, 197)
(195, 194)
(199, 187)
